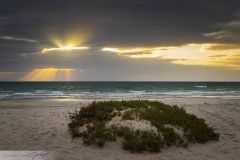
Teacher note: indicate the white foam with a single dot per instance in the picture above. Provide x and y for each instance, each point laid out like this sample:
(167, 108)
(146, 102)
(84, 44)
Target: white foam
(202, 86)
(41, 94)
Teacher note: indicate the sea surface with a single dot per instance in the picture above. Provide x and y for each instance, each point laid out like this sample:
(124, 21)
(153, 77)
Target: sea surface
(117, 90)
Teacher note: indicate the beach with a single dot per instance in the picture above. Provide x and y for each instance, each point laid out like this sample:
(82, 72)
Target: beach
(119, 80)
(29, 125)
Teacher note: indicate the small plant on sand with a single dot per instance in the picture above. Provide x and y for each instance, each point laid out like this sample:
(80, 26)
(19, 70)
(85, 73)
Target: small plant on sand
(165, 125)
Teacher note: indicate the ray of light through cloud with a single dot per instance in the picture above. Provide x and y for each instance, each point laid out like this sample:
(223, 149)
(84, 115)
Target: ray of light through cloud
(50, 74)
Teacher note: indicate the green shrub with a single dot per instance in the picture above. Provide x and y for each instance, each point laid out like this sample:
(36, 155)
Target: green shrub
(128, 115)
(95, 116)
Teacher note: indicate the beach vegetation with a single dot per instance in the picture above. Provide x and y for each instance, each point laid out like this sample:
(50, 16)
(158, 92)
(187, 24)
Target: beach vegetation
(96, 125)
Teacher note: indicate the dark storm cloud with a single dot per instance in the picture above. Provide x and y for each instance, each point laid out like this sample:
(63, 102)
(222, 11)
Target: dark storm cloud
(108, 23)
(135, 22)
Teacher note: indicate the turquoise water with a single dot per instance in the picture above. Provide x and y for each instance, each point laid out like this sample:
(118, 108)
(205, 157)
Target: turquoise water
(117, 90)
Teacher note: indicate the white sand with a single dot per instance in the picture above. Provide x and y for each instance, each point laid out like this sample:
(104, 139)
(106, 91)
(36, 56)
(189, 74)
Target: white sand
(42, 125)
(136, 124)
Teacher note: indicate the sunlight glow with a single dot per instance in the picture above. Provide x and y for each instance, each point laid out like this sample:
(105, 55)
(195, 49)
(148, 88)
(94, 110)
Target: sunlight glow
(50, 74)
(201, 54)
(116, 50)
(65, 48)
(132, 50)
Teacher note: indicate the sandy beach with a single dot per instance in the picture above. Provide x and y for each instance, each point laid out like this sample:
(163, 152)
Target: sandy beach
(42, 125)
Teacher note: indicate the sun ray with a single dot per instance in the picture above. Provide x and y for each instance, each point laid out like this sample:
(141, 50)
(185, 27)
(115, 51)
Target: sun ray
(50, 74)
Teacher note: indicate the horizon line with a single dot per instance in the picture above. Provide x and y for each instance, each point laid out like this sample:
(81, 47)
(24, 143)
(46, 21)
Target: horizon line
(108, 81)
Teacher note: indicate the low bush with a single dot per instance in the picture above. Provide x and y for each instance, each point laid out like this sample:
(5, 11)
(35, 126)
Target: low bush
(96, 115)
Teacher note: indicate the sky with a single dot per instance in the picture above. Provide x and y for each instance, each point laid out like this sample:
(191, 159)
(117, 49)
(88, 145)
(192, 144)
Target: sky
(127, 40)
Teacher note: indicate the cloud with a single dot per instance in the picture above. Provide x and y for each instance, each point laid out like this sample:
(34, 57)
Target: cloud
(18, 39)
(217, 56)
(64, 48)
(212, 55)
(132, 23)
(226, 34)
(232, 24)
(219, 35)
(132, 29)
(221, 47)
(135, 51)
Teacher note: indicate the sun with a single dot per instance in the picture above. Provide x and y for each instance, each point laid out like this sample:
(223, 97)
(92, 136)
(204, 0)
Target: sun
(68, 47)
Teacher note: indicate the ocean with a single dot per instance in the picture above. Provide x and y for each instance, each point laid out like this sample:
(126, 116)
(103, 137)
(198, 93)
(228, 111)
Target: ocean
(117, 90)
